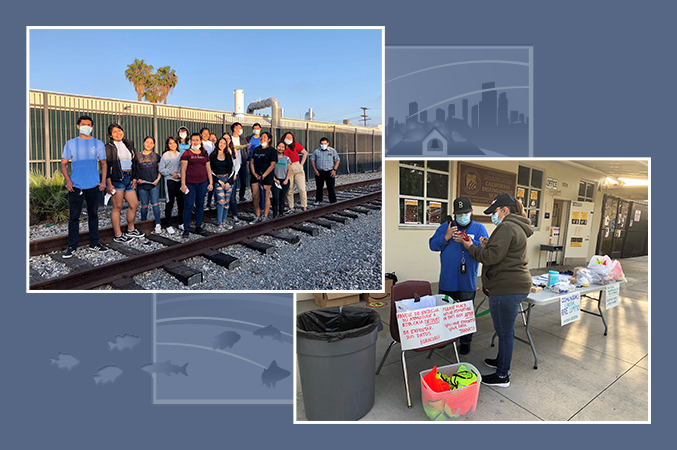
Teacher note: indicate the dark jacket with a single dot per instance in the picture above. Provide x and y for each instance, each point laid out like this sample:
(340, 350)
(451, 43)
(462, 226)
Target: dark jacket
(229, 162)
(113, 161)
(505, 257)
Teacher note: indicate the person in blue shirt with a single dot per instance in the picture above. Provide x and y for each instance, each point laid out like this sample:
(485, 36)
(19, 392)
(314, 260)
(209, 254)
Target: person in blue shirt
(458, 274)
(84, 184)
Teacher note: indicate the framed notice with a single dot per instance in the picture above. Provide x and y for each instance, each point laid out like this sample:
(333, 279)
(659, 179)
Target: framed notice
(435, 212)
(481, 184)
(570, 308)
(576, 242)
(411, 211)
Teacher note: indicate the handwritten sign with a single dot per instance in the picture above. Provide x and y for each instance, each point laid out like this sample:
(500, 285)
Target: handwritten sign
(429, 326)
(570, 308)
(612, 291)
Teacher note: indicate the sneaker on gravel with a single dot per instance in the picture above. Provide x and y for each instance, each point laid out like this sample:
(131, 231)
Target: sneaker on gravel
(135, 233)
(68, 253)
(199, 230)
(170, 230)
(99, 248)
(122, 238)
(186, 233)
(493, 363)
(181, 227)
(158, 228)
(257, 219)
(495, 380)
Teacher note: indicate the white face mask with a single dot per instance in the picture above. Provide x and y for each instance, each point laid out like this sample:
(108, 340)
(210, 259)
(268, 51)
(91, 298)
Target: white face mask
(86, 130)
(257, 132)
(323, 146)
(183, 135)
(264, 144)
(288, 141)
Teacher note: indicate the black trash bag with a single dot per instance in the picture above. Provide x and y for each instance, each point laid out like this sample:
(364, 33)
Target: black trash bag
(336, 323)
(392, 276)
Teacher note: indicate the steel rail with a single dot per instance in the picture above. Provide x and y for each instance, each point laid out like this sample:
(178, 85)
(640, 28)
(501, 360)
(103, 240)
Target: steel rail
(59, 243)
(123, 269)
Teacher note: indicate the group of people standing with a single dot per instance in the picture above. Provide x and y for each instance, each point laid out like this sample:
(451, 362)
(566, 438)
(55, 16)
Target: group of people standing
(464, 243)
(192, 167)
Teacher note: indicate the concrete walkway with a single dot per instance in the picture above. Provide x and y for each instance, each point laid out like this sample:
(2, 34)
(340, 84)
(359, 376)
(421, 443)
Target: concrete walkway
(582, 375)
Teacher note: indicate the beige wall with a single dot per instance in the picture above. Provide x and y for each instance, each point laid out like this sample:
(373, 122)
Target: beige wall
(406, 250)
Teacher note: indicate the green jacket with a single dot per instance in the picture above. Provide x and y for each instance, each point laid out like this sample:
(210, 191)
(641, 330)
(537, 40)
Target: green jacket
(505, 257)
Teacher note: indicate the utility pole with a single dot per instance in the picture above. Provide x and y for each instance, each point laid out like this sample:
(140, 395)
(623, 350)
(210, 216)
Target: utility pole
(364, 115)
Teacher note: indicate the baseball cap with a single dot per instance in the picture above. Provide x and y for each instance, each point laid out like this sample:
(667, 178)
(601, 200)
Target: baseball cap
(500, 201)
(462, 205)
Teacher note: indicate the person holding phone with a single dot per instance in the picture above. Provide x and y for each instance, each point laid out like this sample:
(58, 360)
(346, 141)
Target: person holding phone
(458, 275)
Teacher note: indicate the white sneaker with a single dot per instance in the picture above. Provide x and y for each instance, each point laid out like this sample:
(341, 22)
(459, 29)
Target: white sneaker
(181, 227)
(170, 230)
(158, 228)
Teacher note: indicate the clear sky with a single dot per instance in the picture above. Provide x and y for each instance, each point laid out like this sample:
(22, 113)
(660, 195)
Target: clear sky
(335, 72)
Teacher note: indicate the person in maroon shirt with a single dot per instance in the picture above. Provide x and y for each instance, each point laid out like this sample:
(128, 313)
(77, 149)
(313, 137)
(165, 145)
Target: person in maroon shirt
(196, 180)
(297, 154)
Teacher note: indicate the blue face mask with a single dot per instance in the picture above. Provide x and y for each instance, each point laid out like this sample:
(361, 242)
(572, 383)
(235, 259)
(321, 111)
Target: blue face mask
(463, 219)
(495, 220)
(86, 130)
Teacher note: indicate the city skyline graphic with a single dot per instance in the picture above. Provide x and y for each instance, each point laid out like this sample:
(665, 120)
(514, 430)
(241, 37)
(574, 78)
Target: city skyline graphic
(459, 101)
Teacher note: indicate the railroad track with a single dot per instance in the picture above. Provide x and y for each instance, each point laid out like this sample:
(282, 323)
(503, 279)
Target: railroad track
(353, 199)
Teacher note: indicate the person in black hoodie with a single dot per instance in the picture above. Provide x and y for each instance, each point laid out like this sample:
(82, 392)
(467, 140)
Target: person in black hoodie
(120, 181)
(505, 276)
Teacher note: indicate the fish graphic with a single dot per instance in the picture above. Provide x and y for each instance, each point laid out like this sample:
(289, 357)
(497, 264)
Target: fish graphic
(107, 374)
(64, 361)
(273, 374)
(122, 342)
(165, 367)
(226, 339)
(271, 331)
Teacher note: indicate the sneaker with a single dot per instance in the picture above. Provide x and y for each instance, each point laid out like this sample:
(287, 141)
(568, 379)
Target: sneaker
(493, 363)
(170, 230)
(257, 219)
(135, 233)
(495, 380)
(99, 248)
(199, 230)
(181, 227)
(264, 218)
(227, 226)
(208, 207)
(465, 349)
(316, 203)
(68, 253)
(122, 238)
(186, 233)
(158, 229)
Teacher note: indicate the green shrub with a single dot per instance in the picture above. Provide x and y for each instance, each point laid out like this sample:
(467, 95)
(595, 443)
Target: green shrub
(48, 201)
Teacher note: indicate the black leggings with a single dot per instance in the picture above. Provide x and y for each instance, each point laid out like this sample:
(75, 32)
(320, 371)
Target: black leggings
(174, 193)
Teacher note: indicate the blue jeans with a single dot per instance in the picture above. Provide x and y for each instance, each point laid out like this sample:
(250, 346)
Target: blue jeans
(195, 196)
(462, 296)
(233, 199)
(152, 195)
(222, 197)
(504, 309)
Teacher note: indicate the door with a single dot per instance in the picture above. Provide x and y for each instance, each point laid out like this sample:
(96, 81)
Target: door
(637, 234)
(607, 225)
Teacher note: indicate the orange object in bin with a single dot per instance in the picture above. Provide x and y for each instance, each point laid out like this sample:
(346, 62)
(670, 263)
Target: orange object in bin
(452, 403)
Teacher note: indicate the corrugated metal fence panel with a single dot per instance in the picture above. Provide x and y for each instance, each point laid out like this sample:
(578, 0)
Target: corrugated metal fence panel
(137, 120)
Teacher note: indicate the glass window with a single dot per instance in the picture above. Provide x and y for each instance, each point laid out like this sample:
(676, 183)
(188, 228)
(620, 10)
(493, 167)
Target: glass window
(529, 192)
(523, 175)
(424, 192)
(586, 191)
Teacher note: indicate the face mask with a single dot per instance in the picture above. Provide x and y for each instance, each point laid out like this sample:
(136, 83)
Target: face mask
(86, 130)
(183, 135)
(495, 220)
(288, 141)
(323, 146)
(463, 219)
(264, 144)
(195, 147)
(256, 132)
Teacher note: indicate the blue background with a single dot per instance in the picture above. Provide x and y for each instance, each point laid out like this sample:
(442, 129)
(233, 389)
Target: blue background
(603, 86)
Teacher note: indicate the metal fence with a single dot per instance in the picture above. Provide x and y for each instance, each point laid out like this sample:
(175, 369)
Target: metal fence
(53, 118)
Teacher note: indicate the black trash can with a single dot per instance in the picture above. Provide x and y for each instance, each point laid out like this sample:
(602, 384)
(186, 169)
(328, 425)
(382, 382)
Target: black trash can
(336, 350)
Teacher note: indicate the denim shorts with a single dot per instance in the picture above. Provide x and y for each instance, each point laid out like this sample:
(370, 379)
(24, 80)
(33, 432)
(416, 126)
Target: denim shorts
(124, 184)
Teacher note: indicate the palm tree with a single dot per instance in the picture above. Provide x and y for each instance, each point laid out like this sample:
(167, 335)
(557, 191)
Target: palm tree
(167, 81)
(153, 92)
(137, 73)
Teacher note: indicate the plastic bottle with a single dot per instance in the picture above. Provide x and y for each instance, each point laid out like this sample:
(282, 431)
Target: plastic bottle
(553, 277)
